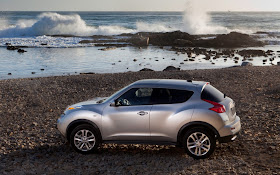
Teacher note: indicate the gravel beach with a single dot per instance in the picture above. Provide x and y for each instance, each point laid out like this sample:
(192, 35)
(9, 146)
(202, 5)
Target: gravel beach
(31, 144)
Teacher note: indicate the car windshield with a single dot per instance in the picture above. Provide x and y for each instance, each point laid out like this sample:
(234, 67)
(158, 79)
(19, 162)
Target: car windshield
(112, 96)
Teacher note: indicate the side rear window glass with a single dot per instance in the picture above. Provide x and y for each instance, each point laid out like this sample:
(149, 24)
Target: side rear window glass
(169, 96)
(212, 94)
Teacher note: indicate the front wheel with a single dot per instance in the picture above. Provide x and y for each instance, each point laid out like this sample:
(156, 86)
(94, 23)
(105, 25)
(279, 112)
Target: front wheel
(199, 143)
(84, 139)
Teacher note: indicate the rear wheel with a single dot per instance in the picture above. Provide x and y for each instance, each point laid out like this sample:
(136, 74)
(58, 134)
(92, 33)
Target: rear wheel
(84, 139)
(199, 143)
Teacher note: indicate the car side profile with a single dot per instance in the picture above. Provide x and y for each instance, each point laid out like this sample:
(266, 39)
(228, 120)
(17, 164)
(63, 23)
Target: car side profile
(191, 114)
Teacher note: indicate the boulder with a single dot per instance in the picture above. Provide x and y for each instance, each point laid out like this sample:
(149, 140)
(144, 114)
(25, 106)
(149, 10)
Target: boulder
(146, 70)
(171, 68)
(245, 63)
(168, 38)
(107, 48)
(252, 53)
(139, 40)
(21, 51)
(183, 42)
(9, 47)
(231, 40)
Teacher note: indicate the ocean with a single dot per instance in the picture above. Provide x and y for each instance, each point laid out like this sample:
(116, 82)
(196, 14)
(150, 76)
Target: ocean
(47, 55)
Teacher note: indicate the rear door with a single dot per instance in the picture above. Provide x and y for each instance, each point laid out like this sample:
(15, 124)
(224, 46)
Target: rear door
(171, 109)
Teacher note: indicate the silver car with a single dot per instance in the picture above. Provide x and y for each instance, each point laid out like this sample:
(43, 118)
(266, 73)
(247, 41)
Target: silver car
(191, 114)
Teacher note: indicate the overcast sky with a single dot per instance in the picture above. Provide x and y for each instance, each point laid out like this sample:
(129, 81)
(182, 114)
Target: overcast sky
(136, 5)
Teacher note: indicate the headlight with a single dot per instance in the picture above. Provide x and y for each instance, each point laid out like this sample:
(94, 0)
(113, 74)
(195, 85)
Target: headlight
(73, 107)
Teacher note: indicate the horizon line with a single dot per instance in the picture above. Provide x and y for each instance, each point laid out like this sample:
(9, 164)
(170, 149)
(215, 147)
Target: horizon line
(127, 11)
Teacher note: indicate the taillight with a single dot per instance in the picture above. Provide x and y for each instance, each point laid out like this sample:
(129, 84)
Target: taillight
(217, 107)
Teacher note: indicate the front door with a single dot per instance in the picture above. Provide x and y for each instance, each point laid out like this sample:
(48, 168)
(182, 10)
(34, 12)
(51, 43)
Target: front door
(129, 119)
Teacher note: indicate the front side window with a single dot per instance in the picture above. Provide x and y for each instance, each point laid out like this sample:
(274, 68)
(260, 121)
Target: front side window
(135, 96)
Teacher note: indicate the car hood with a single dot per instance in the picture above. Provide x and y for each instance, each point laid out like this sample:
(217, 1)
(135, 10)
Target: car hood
(95, 100)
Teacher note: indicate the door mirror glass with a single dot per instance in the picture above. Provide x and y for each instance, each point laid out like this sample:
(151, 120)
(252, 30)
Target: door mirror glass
(114, 104)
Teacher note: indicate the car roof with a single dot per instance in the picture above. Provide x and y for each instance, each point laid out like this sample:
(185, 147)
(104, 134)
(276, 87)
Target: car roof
(169, 83)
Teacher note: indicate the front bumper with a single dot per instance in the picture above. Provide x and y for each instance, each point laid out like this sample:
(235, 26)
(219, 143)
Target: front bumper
(229, 132)
(60, 125)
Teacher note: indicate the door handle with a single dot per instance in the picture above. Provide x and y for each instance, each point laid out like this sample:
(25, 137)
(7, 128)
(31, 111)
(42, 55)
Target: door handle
(142, 113)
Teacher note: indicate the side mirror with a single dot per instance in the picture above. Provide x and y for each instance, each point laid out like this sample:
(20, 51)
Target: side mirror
(115, 104)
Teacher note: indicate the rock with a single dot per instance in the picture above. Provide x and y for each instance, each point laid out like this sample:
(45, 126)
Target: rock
(107, 48)
(171, 68)
(86, 41)
(33, 72)
(231, 40)
(134, 60)
(139, 40)
(34, 124)
(44, 44)
(245, 63)
(42, 69)
(168, 38)
(9, 73)
(207, 57)
(146, 69)
(251, 53)
(183, 42)
(87, 73)
(21, 51)
(278, 63)
(9, 47)
(191, 59)
(8, 44)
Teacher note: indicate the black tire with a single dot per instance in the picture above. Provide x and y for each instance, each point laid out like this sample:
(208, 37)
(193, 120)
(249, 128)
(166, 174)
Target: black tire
(199, 143)
(89, 139)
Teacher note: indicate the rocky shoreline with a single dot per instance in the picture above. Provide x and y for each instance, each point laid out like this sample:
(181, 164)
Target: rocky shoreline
(31, 144)
(176, 38)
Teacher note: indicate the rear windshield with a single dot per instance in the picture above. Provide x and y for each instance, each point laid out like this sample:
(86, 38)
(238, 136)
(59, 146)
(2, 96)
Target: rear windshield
(212, 94)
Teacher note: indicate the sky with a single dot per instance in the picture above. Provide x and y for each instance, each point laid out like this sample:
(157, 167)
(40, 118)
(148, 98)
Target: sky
(136, 5)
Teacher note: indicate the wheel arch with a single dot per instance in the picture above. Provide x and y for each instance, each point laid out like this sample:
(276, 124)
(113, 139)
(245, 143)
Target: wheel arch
(78, 122)
(195, 124)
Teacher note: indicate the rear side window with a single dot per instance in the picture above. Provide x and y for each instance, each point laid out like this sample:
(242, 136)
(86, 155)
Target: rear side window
(169, 96)
(212, 94)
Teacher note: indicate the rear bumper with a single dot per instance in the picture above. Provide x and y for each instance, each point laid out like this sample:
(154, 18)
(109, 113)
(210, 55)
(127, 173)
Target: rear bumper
(229, 132)
(229, 138)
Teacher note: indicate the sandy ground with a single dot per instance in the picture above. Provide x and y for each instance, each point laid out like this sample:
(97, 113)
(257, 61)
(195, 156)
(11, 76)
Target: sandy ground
(31, 143)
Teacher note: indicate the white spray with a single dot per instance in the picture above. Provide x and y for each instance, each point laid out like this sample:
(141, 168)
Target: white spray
(197, 20)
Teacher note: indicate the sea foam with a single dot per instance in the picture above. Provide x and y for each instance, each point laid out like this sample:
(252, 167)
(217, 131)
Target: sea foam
(57, 24)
